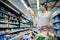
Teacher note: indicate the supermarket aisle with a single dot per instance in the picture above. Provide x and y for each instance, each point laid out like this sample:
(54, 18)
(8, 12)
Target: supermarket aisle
(28, 20)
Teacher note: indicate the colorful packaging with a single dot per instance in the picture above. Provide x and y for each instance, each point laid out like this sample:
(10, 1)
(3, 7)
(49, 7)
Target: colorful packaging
(54, 31)
(56, 18)
(3, 38)
(58, 32)
(39, 38)
(25, 38)
(48, 38)
(58, 25)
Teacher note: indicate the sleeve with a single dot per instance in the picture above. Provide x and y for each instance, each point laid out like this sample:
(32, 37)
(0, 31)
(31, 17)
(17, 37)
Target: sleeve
(50, 19)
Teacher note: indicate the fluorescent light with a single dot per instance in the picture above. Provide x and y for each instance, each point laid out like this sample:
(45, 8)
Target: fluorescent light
(24, 4)
(38, 4)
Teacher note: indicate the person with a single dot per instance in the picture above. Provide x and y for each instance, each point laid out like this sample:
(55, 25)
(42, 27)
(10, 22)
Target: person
(44, 16)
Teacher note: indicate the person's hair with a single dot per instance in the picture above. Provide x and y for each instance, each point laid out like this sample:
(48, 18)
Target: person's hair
(44, 5)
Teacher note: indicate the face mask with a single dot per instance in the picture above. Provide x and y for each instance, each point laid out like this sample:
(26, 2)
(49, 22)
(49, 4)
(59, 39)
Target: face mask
(40, 9)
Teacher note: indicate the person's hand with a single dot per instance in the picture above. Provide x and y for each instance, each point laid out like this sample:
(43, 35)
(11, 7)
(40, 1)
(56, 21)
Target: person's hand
(31, 11)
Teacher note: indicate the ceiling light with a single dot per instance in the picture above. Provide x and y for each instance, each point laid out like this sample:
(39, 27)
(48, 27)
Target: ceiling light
(24, 4)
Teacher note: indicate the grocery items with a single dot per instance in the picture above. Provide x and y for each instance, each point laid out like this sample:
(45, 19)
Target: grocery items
(25, 38)
(2, 32)
(48, 38)
(40, 38)
(55, 31)
(7, 31)
(58, 32)
(58, 25)
(3, 38)
(8, 12)
(2, 10)
(56, 19)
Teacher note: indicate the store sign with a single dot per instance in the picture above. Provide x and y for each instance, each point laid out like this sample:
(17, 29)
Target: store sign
(3, 38)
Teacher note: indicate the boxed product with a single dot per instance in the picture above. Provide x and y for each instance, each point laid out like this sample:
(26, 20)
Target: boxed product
(58, 25)
(25, 38)
(13, 15)
(8, 12)
(55, 31)
(54, 25)
(2, 10)
(3, 38)
(2, 32)
(5, 16)
(3, 25)
(58, 32)
(56, 18)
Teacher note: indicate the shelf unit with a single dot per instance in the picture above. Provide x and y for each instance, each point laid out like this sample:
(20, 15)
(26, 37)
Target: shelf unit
(17, 37)
(10, 18)
(56, 22)
(56, 13)
(20, 6)
(14, 38)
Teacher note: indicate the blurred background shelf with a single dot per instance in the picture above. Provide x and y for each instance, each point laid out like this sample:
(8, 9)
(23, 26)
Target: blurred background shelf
(57, 21)
(57, 28)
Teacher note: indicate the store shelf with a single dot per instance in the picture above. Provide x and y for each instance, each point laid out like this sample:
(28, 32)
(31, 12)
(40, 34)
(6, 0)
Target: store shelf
(20, 6)
(55, 14)
(15, 38)
(15, 31)
(3, 22)
(56, 21)
(24, 26)
(8, 27)
(9, 15)
(8, 23)
(19, 30)
(14, 23)
(57, 35)
(13, 20)
(2, 17)
(56, 28)
(7, 4)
